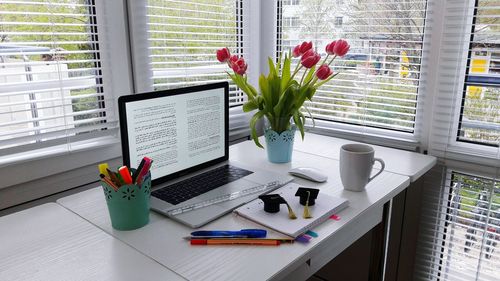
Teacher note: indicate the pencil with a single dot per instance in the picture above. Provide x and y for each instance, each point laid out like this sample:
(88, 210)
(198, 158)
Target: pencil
(262, 242)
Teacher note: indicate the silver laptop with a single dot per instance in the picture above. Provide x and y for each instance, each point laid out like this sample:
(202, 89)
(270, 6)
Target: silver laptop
(185, 131)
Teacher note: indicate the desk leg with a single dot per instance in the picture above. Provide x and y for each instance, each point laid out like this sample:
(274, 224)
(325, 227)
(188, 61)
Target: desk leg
(377, 255)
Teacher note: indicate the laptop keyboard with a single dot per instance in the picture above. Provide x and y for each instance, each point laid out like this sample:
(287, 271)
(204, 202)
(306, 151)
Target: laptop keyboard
(184, 190)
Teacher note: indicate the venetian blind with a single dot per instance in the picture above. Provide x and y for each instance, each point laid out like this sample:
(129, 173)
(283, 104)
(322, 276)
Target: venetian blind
(51, 84)
(379, 78)
(460, 227)
(468, 93)
(183, 37)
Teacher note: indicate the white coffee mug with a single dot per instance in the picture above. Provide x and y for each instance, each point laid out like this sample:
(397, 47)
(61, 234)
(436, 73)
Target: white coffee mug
(356, 163)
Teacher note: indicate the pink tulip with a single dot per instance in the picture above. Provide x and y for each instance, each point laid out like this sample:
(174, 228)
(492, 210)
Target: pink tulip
(239, 66)
(305, 46)
(323, 72)
(296, 51)
(329, 48)
(341, 47)
(223, 55)
(310, 58)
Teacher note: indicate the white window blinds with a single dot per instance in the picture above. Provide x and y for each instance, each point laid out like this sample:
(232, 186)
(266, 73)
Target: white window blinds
(183, 37)
(460, 227)
(379, 77)
(51, 84)
(467, 104)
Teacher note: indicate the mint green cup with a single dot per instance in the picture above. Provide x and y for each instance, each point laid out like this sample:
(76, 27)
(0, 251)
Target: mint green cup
(129, 206)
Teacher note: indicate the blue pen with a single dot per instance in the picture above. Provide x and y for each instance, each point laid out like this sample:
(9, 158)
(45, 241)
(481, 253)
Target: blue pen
(248, 233)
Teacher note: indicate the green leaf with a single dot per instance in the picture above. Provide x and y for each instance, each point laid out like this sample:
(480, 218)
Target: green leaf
(250, 105)
(285, 73)
(310, 75)
(253, 122)
(264, 89)
(272, 68)
(298, 123)
(310, 116)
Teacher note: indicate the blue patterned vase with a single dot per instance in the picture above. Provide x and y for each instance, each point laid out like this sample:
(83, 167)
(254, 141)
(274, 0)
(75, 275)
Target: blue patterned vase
(279, 146)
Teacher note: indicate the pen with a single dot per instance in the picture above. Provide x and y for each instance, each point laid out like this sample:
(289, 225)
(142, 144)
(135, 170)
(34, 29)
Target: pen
(263, 242)
(138, 171)
(249, 233)
(125, 174)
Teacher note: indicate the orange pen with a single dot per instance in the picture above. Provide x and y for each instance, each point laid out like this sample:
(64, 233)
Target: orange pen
(125, 173)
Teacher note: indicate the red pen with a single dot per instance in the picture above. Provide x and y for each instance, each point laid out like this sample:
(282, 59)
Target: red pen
(145, 169)
(125, 173)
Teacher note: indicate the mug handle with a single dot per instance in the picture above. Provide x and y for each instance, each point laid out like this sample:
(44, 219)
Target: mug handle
(381, 170)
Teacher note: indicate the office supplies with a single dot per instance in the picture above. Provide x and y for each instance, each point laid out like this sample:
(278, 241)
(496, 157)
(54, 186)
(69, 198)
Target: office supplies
(145, 169)
(272, 204)
(125, 174)
(128, 206)
(103, 169)
(113, 177)
(186, 132)
(325, 206)
(261, 242)
(308, 173)
(226, 197)
(136, 173)
(108, 181)
(248, 233)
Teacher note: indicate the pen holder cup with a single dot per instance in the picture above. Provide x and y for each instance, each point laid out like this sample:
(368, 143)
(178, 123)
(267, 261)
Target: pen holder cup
(129, 206)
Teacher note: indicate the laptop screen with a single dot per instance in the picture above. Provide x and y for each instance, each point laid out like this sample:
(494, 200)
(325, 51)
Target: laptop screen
(182, 130)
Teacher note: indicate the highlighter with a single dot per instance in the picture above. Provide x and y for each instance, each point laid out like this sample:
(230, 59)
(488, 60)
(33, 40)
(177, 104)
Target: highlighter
(125, 174)
(138, 171)
(144, 170)
(102, 169)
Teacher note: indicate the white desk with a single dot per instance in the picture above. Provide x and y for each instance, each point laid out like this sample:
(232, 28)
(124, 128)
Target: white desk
(162, 238)
(402, 162)
(49, 242)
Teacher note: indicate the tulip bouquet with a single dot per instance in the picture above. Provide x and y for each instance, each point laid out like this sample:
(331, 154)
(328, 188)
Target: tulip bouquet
(283, 91)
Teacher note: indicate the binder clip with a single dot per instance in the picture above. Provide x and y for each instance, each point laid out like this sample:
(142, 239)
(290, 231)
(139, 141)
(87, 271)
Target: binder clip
(272, 204)
(307, 198)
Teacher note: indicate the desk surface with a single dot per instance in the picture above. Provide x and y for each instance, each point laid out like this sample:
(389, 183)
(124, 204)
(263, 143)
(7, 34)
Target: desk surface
(162, 238)
(396, 161)
(49, 242)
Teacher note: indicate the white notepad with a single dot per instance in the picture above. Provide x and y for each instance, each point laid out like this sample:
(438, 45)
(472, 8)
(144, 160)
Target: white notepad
(324, 207)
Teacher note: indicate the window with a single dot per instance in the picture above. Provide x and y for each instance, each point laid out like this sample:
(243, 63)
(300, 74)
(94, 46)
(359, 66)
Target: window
(338, 21)
(52, 92)
(291, 2)
(464, 243)
(290, 21)
(182, 38)
(378, 84)
(479, 120)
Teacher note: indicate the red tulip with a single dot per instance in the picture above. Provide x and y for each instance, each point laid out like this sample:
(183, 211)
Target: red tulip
(341, 47)
(223, 55)
(233, 59)
(296, 51)
(239, 66)
(310, 58)
(323, 72)
(329, 48)
(305, 46)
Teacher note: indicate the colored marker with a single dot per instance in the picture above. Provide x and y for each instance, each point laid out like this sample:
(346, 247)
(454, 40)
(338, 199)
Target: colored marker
(145, 169)
(103, 169)
(125, 174)
(138, 171)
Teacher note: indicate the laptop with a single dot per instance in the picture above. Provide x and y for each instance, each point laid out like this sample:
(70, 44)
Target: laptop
(186, 133)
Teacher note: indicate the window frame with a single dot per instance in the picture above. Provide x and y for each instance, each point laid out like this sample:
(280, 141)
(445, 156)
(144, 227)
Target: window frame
(117, 79)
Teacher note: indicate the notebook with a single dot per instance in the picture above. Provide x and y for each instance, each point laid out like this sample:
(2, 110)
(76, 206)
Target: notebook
(325, 207)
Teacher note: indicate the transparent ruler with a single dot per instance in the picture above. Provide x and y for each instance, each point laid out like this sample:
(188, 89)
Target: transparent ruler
(227, 197)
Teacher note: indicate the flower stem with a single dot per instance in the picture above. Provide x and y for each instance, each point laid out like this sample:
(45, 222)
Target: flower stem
(297, 68)
(327, 55)
(302, 79)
